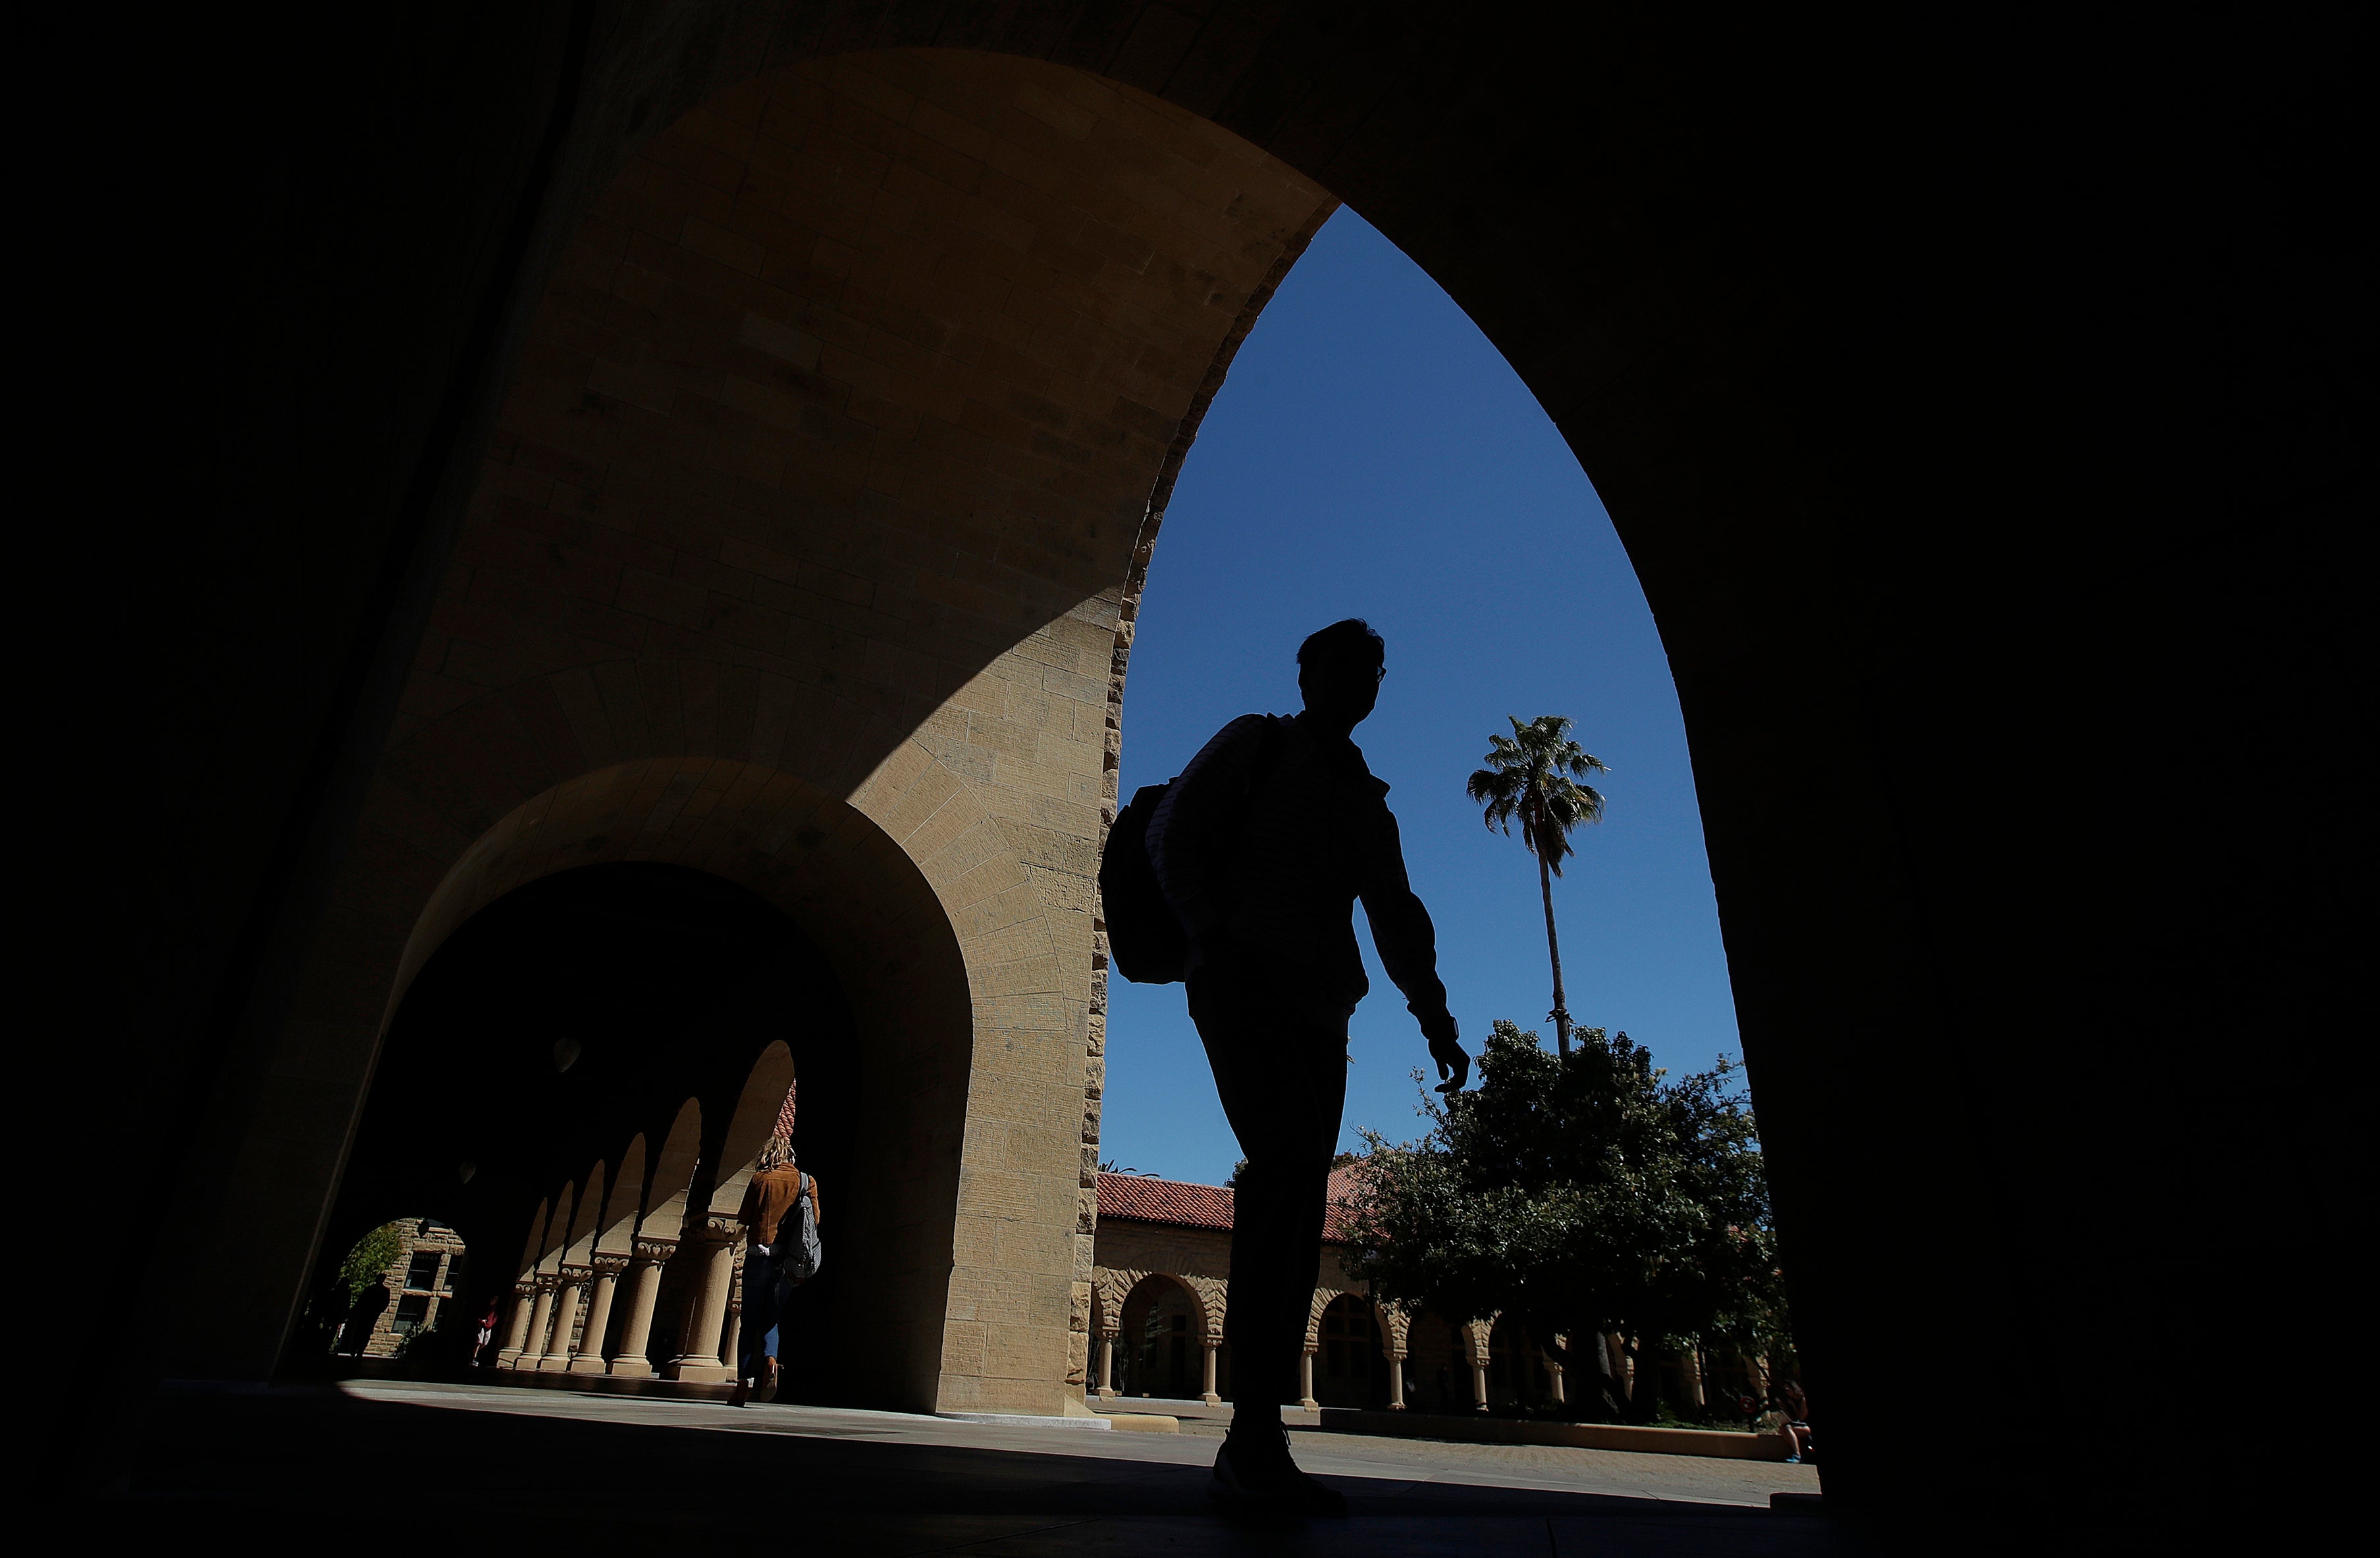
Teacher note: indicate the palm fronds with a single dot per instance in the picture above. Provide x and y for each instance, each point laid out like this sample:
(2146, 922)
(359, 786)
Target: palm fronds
(1532, 776)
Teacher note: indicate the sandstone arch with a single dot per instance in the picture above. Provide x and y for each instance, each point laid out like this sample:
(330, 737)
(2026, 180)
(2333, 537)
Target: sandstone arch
(674, 1165)
(557, 1232)
(748, 1129)
(867, 539)
(1756, 283)
(587, 1221)
(618, 1231)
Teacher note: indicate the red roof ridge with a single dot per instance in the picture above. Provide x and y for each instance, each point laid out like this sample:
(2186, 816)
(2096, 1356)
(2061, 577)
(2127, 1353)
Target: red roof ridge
(1140, 1198)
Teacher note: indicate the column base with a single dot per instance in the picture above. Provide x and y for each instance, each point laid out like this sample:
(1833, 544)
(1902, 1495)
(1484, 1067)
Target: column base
(506, 1358)
(1106, 1392)
(554, 1363)
(1307, 1403)
(1211, 1398)
(589, 1363)
(632, 1368)
(699, 1372)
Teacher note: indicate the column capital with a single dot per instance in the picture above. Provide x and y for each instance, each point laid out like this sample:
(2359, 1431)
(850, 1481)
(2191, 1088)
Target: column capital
(610, 1265)
(727, 1230)
(655, 1249)
(548, 1280)
(575, 1275)
(526, 1287)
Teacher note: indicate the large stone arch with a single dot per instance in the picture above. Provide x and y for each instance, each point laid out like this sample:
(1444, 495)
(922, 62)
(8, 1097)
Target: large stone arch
(816, 574)
(1893, 473)
(890, 923)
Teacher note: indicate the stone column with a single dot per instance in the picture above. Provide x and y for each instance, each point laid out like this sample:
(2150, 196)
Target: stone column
(1107, 1363)
(1305, 1380)
(540, 1325)
(1212, 1347)
(644, 1291)
(599, 1314)
(517, 1328)
(569, 1289)
(1396, 1382)
(1690, 1364)
(1478, 1374)
(1555, 1372)
(731, 1348)
(700, 1360)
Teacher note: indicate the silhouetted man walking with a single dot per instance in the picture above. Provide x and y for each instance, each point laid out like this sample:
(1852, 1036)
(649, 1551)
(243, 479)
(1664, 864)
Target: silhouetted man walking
(1262, 848)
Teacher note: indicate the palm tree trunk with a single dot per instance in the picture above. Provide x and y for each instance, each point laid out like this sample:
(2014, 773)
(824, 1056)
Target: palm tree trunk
(1553, 950)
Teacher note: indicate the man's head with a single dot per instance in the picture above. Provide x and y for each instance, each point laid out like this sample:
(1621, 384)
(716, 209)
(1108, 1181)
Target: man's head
(1339, 670)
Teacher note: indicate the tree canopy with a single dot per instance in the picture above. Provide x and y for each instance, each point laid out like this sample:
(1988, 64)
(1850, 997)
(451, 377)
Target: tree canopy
(371, 1257)
(1584, 1195)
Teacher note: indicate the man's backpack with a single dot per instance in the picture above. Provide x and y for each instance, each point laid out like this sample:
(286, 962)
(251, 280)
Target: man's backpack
(802, 1260)
(1146, 942)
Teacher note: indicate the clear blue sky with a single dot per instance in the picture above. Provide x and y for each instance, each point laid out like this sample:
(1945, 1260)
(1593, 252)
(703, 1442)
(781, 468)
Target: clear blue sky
(1372, 455)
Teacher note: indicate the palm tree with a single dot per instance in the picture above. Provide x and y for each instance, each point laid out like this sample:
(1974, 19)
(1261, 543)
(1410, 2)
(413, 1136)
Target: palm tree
(1534, 776)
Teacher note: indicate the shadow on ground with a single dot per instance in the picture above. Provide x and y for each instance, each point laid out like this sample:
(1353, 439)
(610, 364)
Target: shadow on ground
(311, 1465)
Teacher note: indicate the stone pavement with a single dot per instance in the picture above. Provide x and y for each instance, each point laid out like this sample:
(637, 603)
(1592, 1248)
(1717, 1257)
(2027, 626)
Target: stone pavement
(494, 1461)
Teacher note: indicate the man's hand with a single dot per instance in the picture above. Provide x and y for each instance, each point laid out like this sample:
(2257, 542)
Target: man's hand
(1445, 1047)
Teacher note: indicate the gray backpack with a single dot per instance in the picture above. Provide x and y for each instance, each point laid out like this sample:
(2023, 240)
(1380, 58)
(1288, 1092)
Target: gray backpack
(802, 1253)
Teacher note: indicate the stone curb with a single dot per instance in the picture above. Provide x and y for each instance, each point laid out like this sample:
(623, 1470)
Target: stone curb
(1023, 1419)
(1718, 1443)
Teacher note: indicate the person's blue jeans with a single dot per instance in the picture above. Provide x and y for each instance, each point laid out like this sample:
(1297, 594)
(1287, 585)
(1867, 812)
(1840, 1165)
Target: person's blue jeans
(767, 1288)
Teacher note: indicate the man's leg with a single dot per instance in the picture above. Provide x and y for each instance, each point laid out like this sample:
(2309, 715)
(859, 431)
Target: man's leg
(1282, 1076)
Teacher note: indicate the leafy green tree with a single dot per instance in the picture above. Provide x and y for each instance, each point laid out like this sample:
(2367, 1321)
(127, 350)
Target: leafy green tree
(371, 1259)
(1584, 1195)
(1532, 776)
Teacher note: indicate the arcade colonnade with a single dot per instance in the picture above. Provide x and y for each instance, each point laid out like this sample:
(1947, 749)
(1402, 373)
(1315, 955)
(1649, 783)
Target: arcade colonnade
(1165, 1246)
(1495, 1362)
(604, 1251)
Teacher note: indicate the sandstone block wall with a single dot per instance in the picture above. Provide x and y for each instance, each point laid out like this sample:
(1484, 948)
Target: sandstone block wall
(805, 554)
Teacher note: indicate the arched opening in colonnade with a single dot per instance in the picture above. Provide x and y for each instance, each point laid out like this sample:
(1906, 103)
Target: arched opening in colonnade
(1351, 1362)
(1160, 1348)
(1519, 1373)
(807, 558)
(804, 557)
(554, 1035)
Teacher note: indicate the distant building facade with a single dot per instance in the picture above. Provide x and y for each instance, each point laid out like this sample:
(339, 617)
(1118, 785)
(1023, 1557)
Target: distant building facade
(419, 1282)
(1161, 1277)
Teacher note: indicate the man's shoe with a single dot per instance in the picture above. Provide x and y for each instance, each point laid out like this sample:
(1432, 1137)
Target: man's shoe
(741, 1394)
(1261, 1485)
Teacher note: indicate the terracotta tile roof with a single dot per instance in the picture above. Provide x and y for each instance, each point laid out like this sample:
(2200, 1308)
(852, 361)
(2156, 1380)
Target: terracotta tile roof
(1177, 1204)
(1139, 1199)
(1346, 1183)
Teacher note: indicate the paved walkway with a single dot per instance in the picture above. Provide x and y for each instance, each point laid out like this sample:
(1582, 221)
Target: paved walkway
(507, 1462)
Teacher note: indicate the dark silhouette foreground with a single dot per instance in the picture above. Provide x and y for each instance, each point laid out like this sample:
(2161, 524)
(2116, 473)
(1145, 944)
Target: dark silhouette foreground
(1262, 848)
